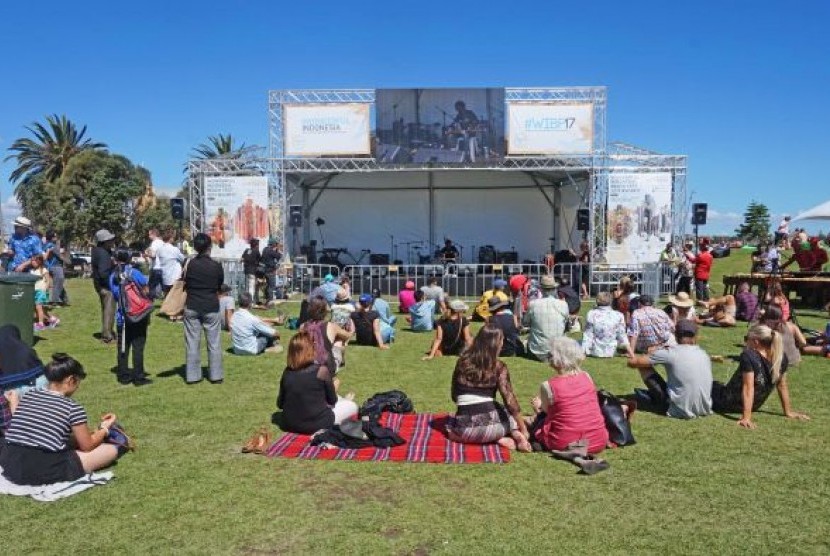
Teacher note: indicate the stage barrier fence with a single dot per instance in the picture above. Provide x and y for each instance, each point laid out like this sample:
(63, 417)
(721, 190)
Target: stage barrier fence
(464, 281)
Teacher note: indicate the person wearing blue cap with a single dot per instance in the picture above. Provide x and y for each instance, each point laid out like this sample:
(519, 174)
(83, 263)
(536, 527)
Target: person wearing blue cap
(367, 324)
(482, 311)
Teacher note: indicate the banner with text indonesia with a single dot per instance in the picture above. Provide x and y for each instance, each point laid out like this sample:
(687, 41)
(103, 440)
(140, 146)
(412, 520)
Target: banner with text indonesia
(546, 128)
(236, 210)
(639, 216)
(312, 130)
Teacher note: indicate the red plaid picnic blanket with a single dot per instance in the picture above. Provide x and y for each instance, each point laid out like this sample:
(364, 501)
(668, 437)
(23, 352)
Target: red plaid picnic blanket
(426, 442)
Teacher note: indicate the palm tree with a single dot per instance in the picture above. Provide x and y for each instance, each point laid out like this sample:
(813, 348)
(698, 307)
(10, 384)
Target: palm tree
(49, 152)
(219, 146)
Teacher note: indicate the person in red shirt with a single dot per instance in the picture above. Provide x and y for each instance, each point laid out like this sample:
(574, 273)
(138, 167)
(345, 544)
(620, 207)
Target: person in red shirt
(819, 254)
(804, 257)
(703, 267)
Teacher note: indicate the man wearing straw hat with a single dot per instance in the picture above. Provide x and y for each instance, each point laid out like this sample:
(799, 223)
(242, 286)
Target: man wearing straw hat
(24, 245)
(546, 319)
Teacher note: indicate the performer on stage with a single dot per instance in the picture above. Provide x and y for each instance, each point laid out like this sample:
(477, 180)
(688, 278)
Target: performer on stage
(464, 118)
(449, 253)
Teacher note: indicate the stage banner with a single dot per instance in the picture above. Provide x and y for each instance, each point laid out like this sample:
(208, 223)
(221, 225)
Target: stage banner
(549, 128)
(236, 210)
(326, 129)
(441, 126)
(639, 216)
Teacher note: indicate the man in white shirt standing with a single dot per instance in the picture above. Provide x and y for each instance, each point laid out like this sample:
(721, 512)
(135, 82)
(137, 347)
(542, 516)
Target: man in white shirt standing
(155, 265)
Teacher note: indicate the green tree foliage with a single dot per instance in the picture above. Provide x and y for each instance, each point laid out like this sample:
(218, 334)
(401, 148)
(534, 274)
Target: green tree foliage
(756, 223)
(157, 216)
(48, 154)
(219, 146)
(97, 190)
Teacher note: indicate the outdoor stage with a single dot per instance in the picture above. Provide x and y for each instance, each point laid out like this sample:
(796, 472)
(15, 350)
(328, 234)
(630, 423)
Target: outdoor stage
(384, 176)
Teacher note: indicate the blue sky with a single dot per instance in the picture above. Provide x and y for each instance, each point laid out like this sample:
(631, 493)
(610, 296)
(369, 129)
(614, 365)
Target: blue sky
(741, 87)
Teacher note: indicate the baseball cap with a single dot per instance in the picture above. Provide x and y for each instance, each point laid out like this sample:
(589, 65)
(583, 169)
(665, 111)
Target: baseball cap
(366, 299)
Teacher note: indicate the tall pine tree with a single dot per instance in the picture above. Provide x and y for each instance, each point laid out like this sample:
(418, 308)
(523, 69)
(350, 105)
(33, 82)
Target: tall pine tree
(756, 223)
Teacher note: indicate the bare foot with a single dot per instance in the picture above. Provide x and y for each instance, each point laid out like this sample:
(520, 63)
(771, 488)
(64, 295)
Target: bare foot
(507, 442)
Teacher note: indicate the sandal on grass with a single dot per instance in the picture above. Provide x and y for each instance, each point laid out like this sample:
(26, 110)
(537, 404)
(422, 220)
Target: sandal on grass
(590, 465)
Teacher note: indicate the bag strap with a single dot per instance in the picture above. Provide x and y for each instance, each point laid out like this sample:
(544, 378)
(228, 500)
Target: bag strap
(184, 270)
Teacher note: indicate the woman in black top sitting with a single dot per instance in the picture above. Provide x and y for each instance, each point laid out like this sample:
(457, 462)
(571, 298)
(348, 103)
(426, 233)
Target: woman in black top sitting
(20, 367)
(308, 393)
(37, 450)
(479, 419)
(366, 324)
(761, 368)
(505, 320)
(452, 334)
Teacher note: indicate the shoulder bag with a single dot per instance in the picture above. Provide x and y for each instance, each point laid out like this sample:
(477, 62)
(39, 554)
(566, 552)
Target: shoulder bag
(174, 302)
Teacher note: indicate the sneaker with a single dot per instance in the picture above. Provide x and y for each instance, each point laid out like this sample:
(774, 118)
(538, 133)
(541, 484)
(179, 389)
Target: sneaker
(54, 321)
(142, 381)
(39, 327)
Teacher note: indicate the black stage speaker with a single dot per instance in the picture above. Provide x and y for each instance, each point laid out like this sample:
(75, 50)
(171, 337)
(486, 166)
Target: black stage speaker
(583, 220)
(699, 214)
(422, 156)
(295, 216)
(177, 208)
(379, 258)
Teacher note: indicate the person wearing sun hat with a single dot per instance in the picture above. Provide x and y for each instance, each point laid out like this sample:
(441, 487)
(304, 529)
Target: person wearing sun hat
(452, 333)
(102, 267)
(482, 313)
(546, 318)
(681, 306)
(502, 317)
(23, 246)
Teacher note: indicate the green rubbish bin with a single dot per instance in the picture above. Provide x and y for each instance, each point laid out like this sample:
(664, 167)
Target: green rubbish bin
(17, 303)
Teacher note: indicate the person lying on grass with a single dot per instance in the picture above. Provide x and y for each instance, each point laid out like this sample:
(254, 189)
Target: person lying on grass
(821, 347)
(479, 418)
(720, 311)
(762, 367)
(308, 392)
(567, 409)
(37, 449)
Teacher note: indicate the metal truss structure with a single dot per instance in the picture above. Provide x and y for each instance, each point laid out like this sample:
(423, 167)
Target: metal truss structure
(561, 170)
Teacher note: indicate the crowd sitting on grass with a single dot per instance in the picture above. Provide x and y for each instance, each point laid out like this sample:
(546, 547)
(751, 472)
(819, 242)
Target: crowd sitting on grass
(565, 415)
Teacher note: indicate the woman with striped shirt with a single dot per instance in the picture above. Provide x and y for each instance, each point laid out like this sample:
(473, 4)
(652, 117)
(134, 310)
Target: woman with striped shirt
(36, 448)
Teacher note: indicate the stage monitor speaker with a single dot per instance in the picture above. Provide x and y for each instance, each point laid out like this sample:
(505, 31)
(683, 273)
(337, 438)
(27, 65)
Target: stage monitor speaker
(583, 220)
(177, 208)
(379, 258)
(423, 156)
(295, 216)
(699, 214)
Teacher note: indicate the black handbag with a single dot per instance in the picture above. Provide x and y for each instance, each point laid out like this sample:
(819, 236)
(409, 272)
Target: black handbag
(619, 429)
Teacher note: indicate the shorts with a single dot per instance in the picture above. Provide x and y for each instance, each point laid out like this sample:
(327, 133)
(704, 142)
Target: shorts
(24, 465)
(41, 297)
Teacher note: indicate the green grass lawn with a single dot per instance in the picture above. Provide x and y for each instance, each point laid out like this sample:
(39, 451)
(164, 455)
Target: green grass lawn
(687, 487)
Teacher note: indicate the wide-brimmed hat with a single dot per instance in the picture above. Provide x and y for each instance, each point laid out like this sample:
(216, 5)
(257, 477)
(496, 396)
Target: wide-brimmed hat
(682, 299)
(458, 306)
(548, 282)
(23, 222)
(496, 303)
(103, 235)
(342, 295)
